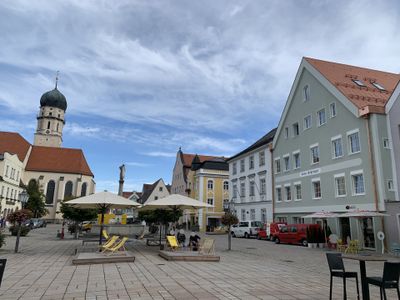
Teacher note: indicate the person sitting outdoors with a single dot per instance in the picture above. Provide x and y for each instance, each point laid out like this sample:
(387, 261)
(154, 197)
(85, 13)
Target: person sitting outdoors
(181, 237)
(194, 241)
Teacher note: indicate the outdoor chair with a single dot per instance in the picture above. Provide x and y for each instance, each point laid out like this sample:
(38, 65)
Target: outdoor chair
(2, 268)
(353, 247)
(340, 246)
(336, 268)
(116, 247)
(389, 280)
(110, 242)
(105, 234)
(207, 247)
(172, 242)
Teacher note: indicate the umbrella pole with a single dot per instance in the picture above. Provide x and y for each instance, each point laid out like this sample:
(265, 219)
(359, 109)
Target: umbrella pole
(160, 236)
(101, 226)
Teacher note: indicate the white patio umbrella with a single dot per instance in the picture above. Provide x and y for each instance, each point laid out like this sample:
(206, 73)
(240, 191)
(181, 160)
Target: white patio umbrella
(174, 202)
(363, 214)
(102, 201)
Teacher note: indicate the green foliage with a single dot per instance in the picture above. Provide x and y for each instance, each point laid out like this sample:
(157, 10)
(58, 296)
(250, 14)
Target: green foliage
(36, 201)
(77, 214)
(2, 238)
(229, 219)
(161, 216)
(24, 230)
(19, 216)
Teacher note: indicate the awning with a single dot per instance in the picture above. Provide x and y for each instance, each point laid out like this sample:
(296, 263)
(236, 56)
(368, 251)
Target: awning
(363, 214)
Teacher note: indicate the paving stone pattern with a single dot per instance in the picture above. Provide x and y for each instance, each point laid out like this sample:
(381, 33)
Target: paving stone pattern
(253, 270)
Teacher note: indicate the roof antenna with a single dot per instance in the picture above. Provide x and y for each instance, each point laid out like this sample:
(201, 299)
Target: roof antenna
(58, 72)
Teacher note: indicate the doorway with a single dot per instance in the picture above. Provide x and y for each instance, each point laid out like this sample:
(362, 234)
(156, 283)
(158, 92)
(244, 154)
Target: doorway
(367, 230)
(345, 229)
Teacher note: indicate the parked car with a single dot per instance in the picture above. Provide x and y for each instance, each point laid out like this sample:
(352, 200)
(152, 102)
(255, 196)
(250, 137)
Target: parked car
(246, 229)
(269, 231)
(294, 234)
(38, 223)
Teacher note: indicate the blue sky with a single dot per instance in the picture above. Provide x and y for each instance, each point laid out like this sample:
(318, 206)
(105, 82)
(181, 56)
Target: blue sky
(143, 78)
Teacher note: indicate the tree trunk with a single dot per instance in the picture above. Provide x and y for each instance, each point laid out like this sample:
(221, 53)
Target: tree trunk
(76, 229)
(229, 238)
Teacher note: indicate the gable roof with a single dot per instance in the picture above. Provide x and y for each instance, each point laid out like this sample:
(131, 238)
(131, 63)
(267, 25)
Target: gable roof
(147, 190)
(58, 160)
(14, 143)
(342, 76)
(266, 139)
(188, 158)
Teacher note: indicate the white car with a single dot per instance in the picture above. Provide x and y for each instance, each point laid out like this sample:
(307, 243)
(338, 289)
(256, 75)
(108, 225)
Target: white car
(246, 229)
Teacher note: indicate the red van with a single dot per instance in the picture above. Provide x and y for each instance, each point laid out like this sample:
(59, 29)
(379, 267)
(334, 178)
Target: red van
(269, 231)
(294, 234)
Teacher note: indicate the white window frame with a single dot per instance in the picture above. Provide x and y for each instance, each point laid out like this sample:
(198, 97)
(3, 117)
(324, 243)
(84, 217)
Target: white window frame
(263, 191)
(296, 184)
(294, 131)
(317, 179)
(286, 195)
(306, 93)
(287, 168)
(234, 168)
(251, 162)
(212, 183)
(386, 143)
(335, 138)
(319, 124)
(280, 166)
(242, 163)
(304, 122)
(348, 133)
(294, 160)
(391, 189)
(341, 175)
(278, 187)
(252, 188)
(261, 158)
(353, 188)
(333, 104)
(286, 132)
(311, 155)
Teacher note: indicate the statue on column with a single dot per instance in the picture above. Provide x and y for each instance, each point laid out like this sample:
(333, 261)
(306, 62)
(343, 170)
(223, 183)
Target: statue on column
(122, 172)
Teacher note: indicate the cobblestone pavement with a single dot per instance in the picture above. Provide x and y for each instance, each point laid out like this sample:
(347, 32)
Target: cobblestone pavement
(253, 270)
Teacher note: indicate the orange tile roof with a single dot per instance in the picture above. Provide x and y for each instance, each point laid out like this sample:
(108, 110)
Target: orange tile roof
(368, 98)
(14, 143)
(58, 160)
(127, 194)
(188, 158)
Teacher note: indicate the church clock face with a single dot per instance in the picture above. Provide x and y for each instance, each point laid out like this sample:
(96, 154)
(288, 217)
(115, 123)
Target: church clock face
(47, 131)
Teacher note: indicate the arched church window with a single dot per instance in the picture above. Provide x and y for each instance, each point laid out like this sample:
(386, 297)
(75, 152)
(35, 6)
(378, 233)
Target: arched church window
(48, 125)
(51, 186)
(84, 188)
(57, 126)
(68, 189)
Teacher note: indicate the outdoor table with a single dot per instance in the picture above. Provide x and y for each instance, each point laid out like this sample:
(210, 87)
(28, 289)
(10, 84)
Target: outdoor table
(362, 258)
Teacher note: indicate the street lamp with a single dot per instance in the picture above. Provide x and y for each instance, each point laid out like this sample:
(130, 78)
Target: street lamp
(229, 207)
(23, 197)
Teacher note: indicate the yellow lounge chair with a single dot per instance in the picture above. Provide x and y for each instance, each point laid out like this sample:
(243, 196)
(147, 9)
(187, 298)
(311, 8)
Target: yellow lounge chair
(172, 242)
(207, 247)
(353, 247)
(116, 247)
(105, 234)
(110, 242)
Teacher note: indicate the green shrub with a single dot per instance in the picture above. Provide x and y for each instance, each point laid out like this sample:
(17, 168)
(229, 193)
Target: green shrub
(24, 230)
(2, 238)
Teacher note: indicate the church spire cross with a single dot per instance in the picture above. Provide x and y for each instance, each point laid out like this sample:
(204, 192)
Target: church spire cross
(57, 73)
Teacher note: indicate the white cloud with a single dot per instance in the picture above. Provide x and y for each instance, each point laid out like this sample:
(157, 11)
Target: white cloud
(138, 164)
(160, 154)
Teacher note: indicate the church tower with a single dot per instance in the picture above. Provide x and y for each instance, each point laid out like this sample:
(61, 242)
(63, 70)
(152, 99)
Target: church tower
(50, 120)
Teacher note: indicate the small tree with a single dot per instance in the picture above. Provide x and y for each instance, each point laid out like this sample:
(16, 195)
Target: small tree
(36, 201)
(77, 215)
(17, 218)
(229, 219)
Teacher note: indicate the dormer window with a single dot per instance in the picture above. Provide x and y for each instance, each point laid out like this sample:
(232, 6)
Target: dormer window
(378, 86)
(359, 83)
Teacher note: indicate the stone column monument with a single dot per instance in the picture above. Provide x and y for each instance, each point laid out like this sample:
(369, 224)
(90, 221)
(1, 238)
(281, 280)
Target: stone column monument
(121, 179)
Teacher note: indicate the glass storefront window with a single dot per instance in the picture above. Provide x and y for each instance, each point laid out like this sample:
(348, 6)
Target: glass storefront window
(367, 227)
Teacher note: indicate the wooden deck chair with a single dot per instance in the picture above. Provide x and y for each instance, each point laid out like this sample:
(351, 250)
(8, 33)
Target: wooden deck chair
(116, 247)
(105, 234)
(353, 247)
(172, 242)
(207, 247)
(111, 241)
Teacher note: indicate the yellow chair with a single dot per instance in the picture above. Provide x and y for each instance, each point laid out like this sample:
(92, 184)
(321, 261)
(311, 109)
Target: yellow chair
(116, 247)
(353, 247)
(110, 242)
(172, 242)
(207, 247)
(340, 246)
(105, 234)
